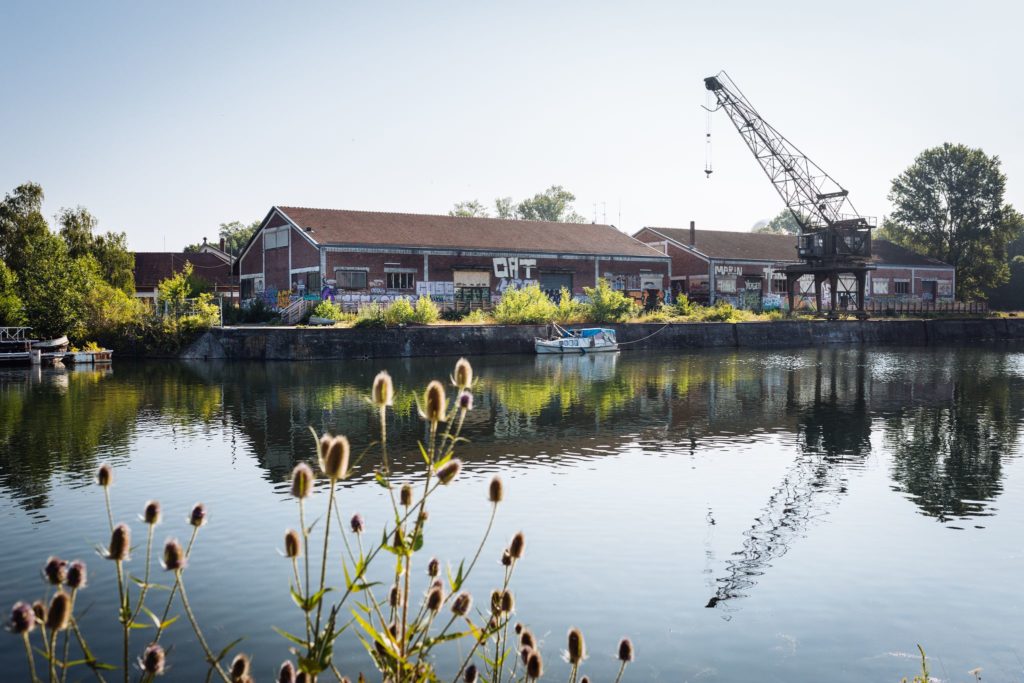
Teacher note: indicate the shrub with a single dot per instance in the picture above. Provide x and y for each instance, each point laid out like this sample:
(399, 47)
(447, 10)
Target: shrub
(399, 312)
(478, 317)
(683, 306)
(569, 309)
(608, 305)
(425, 311)
(371, 315)
(528, 305)
(327, 310)
(722, 311)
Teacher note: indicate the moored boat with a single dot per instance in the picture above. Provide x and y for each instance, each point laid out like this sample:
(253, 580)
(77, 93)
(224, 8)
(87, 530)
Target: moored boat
(585, 340)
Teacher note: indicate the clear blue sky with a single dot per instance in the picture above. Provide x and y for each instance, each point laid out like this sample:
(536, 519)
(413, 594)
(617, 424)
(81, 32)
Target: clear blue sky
(166, 119)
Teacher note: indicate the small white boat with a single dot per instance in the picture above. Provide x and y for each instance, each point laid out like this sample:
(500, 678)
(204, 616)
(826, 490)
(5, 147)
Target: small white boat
(586, 340)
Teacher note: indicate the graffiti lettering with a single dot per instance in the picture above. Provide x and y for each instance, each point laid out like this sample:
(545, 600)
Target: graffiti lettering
(508, 267)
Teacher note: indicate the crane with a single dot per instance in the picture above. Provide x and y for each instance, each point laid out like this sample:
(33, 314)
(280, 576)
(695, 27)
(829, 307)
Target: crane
(833, 237)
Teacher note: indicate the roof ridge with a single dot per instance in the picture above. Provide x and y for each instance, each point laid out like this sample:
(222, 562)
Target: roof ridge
(285, 208)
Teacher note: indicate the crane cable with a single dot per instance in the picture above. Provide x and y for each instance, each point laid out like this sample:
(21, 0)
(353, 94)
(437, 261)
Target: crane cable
(707, 139)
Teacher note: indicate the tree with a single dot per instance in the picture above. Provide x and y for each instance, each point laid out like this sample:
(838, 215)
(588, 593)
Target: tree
(56, 287)
(237, 234)
(783, 224)
(12, 310)
(553, 204)
(949, 205)
(21, 221)
(116, 262)
(504, 207)
(469, 209)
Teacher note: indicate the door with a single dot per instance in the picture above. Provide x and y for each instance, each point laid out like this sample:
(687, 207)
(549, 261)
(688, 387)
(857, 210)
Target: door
(552, 283)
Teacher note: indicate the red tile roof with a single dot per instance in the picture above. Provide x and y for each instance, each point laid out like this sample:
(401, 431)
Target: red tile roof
(331, 226)
(153, 266)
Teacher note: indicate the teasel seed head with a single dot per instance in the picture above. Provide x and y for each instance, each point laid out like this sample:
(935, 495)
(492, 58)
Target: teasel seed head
(506, 558)
(55, 570)
(463, 378)
(151, 513)
(383, 393)
(423, 517)
(153, 660)
(304, 677)
(518, 628)
(526, 638)
(39, 609)
(585, 679)
(470, 675)
(335, 458)
(58, 617)
(357, 523)
(174, 556)
(524, 653)
(496, 490)
(23, 619)
(465, 401)
(447, 473)
(517, 546)
(120, 543)
(534, 665)
(495, 602)
(239, 668)
(197, 517)
(77, 575)
(394, 596)
(461, 604)
(105, 475)
(302, 481)
(435, 598)
(287, 673)
(434, 403)
(433, 567)
(405, 495)
(577, 649)
(625, 650)
(507, 602)
(292, 544)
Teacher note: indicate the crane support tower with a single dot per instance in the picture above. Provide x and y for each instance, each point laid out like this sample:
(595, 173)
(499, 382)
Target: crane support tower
(834, 239)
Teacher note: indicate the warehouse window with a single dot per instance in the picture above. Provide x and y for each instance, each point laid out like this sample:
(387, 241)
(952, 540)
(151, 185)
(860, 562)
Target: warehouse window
(350, 279)
(401, 280)
(901, 287)
(880, 286)
(779, 285)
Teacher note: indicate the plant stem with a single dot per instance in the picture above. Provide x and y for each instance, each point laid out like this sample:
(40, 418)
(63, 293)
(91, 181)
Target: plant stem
(31, 658)
(305, 557)
(621, 669)
(323, 559)
(122, 609)
(67, 638)
(490, 522)
(110, 514)
(174, 589)
(145, 584)
(199, 633)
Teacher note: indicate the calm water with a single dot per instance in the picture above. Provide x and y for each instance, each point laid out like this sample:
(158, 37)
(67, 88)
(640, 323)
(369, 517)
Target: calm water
(781, 516)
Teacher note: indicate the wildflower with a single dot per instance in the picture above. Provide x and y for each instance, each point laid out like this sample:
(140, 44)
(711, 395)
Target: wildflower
(335, 458)
(405, 495)
(77, 574)
(524, 653)
(59, 615)
(39, 610)
(151, 513)
(153, 660)
(357, 523)
(287, 673)
(302, 481)
(518, 628)
(304, 677)
(534, 665)
(577, 648)
(55, 570)
(174, 556)
(461, 604)
(625, 650)
(434, 599)
(526, 638)
(470, 675)
(507, 603)
(585, 679)
(105, 475)
(516, 547)
(447, 473)
(496, 491)
(239, 668)
(495, 602)
(197, 517)
(463, 378)
(433, 567)
(292, 544)
(465, 401)
(506, 558)
(434, 403)
(383, 393)
(120, 543)
(23, 619)
(394, 596)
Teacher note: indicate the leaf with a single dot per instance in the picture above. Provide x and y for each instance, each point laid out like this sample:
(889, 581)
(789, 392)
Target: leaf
(375, 635)
(153, 617)
(227, 649)
(136, 624)
(381, 480)
(169, 621)
(423, 452)
(295, 639)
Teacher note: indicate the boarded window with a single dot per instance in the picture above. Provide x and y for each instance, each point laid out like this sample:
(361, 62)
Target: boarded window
(727, 285)
(272, 239)
(350, 278)
(879, 286)
(472, 278)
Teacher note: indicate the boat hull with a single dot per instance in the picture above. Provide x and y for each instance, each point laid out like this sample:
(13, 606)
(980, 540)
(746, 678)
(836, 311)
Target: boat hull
(571, 346)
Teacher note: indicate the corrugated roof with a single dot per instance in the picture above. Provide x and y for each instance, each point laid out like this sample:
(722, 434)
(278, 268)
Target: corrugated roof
(153, 266)
(334, 226)
(759, 246)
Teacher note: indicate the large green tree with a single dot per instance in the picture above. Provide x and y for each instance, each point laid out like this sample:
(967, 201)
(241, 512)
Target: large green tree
(949, 204)
(553, 204)
(782, 224)
(21, 221)
(110, 249)
(12, 309)
(236, 234)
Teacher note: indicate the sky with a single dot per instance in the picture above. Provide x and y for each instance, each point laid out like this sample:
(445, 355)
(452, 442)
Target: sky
(167, 119)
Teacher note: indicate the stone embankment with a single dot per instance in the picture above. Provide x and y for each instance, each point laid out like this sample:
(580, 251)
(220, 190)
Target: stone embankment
(289, 343)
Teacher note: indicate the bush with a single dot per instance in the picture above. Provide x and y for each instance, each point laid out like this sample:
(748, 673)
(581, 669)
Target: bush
(425, 311)
(608, 305)
(371, 315)
(683, 306)
(327, 310)
(398, 312)
(478, 317)
(569, 309)
(525, 306)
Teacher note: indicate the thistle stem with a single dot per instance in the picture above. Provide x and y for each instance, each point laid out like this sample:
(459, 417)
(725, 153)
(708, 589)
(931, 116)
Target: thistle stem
(122, 609)
(110, 514)
(621, 669)
(305, 554)
(50, 649)
(323, 560)
(145, 584)
(174, 589)
(195, 627)
(31, 659)
(67, 639)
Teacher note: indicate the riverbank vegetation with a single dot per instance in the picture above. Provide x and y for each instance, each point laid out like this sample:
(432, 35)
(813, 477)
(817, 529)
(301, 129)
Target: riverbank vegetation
(421, 614)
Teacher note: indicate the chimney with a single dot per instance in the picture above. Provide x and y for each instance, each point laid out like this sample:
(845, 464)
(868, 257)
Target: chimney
(693, 233)
(222, 244)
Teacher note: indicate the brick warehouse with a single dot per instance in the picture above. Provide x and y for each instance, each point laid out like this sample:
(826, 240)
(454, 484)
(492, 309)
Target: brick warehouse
(363, 257)
(745, 269)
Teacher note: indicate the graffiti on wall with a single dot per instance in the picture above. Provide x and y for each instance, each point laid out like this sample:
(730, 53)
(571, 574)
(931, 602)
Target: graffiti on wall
(507, 267)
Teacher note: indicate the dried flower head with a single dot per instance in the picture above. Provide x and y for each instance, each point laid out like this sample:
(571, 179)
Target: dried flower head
(496, 490)
(524, 653)
(434, 403)
(383, 393)
(465, 401)
(507, 602)
(304, 677)
(77, 575)
(470, 675)
(174, 556)
(239, 667)
(506, 558)
(23, 619)
(577, 649)
(447, 473)
(526, 638)
(585, 679)
(435, 598)
(120, 543)
(405, 495)
(625, 650)
(517, 546)
(461, 604)
(463, 377)
(55, 570)
(58, 617)
(39, 609)
(287, 673)
(151, 513)
(105, 475)
(292, 544)
(534, 665)
(357, 523)
(335, 462)
(394, 596)
(495, 602)
(302, 481)
(197, 517)
(518, 628)
(153, 660)
(433, 567)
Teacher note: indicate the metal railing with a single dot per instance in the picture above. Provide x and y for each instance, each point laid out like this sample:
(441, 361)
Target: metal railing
(914, 307)
(14, 334)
